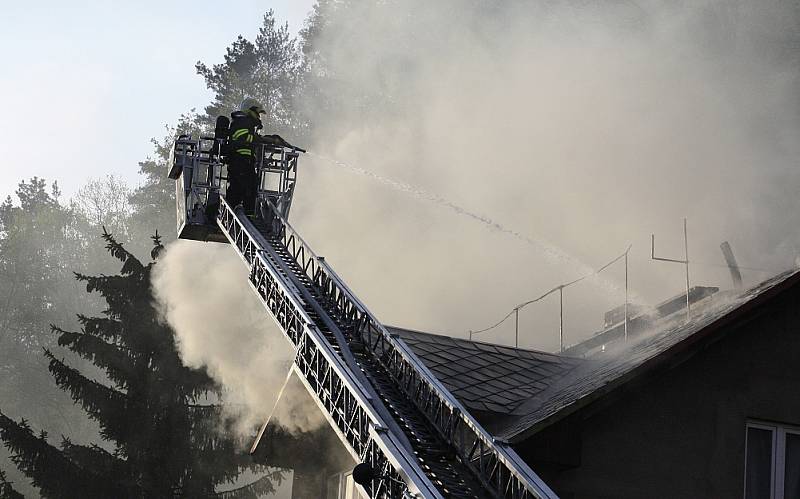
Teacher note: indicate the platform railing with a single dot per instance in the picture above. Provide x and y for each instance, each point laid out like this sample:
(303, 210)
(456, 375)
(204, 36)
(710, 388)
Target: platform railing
(200, 171)
(495, 463)
(345, 402)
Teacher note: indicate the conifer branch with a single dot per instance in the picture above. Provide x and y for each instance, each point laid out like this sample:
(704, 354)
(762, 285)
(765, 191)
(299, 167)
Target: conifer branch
(104, 327)
(262, 486)
(110, 408)
(116, 360)
(130, 264)
(98, 459)
(49, 469)
(6, 489)
(158, 248)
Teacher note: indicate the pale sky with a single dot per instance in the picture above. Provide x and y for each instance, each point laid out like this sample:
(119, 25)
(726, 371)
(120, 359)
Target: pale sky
(85, 85)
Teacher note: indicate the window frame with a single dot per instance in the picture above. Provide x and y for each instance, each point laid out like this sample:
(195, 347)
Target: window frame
(778, 454)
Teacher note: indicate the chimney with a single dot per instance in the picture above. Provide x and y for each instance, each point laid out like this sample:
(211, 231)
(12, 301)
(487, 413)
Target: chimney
(732, 265)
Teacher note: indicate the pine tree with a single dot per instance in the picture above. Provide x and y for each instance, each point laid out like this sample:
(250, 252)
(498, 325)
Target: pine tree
(162, 442)
(269, 70)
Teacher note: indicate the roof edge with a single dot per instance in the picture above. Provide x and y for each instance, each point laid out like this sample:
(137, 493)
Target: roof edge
(699, 338)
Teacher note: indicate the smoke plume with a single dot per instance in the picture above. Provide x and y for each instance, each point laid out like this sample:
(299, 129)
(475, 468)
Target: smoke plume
(221, 326)
(590, 125)
(587, 126)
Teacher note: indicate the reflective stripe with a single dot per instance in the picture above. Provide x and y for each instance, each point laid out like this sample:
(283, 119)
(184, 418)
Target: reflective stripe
(238, 133)
(249, 138)
(245, 152)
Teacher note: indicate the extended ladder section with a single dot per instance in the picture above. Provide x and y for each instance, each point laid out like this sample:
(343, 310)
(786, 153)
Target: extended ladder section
(385, 405)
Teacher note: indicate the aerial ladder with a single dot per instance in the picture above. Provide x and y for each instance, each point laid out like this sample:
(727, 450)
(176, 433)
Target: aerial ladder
(413, 438)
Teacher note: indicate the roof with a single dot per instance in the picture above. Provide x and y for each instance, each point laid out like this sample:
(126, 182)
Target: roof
(640, 321)
(486, 377)
(535, 389)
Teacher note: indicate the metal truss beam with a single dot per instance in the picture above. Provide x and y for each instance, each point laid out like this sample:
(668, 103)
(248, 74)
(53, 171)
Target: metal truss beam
(346, 403)
(344, 400)
(499, 468)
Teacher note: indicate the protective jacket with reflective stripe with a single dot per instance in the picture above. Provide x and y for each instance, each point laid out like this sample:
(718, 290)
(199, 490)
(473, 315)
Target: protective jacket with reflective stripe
(242, 133)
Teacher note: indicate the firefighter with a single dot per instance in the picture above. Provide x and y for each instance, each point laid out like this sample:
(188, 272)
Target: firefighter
(242, 138)
(242, 178)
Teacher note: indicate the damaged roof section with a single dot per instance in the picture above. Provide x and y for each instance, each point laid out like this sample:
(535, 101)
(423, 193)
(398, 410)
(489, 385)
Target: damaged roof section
(517, 392)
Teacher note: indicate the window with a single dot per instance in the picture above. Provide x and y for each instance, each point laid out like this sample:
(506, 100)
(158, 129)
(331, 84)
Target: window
(342, 486)
(772, 461)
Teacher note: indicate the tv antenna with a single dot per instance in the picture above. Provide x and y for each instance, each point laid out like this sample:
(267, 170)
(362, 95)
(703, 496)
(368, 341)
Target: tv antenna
(685, 261)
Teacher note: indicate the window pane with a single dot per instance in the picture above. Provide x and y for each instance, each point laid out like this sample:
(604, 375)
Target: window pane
(758, 468)
(332, 487)
(792, 477)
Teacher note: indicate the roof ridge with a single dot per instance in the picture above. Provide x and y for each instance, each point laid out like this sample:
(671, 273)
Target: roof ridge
(486, 343)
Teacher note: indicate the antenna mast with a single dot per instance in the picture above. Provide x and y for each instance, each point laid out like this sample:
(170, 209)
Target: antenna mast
(685, 261)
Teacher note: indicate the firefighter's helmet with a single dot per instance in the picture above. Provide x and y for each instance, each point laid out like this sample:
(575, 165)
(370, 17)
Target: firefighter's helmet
(250, 104)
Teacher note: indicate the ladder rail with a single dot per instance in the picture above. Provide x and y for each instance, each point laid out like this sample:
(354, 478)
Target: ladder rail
(344, 401)
(339, 339)
(496, 464)
(506, 456)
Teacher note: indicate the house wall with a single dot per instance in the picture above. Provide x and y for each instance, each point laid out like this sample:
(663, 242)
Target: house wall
(316, 458)
(681, 433)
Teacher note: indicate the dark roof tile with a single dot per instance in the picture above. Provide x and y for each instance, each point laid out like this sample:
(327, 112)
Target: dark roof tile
(486, 377)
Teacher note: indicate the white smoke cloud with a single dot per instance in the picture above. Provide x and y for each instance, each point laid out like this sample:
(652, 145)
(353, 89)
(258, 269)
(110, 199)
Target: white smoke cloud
(589, 125)
(220, 325)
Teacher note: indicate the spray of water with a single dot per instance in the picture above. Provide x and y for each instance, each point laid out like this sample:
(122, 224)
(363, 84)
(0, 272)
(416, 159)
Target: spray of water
(550, 251)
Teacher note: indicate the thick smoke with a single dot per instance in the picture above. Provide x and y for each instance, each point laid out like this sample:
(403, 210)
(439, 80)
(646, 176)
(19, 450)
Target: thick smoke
(221, 326)
(581, 125)
(590, 125)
